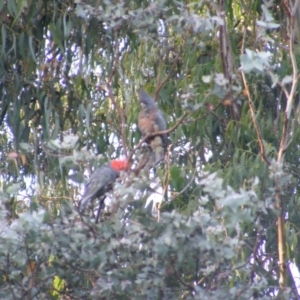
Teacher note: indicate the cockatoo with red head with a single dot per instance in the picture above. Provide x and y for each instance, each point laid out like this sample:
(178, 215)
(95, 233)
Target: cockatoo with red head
(102, 181)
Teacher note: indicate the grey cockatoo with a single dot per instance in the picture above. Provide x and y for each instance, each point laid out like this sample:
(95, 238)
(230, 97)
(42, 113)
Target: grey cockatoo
(101, 182)
(150, 120)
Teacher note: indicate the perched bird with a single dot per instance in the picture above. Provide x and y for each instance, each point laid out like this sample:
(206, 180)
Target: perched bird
(101, 182)
(150, 120)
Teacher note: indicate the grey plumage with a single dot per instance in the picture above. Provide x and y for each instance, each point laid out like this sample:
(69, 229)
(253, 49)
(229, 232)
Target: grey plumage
(99, 183)
(151, 119)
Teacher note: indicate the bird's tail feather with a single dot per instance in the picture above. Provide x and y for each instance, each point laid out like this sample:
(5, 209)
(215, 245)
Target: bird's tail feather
(158, 152)
(100, 207)
(83, 203)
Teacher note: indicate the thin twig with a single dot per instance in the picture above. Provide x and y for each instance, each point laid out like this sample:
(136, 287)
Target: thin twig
(168, 173)
(143, 162)
(54, 155)
(185, 188)
(283, 143)
(251, 106)
(283, 89)
(168, 76)
(111, 96)
(55, 198)
(8, 279)
(253, 256)
(295, 288)
(187, 285)
(116, 58)
(122, 116)
(77, 268)
(254, 121)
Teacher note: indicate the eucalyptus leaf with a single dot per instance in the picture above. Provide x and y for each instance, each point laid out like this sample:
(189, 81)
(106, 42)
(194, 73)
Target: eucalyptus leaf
(13, 189)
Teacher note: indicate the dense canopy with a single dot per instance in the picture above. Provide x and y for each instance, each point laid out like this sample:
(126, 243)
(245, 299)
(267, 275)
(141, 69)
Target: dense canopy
(224, 218)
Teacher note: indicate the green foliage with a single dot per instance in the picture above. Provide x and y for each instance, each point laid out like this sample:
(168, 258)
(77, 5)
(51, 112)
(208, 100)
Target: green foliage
(69, 71)
(139, 258)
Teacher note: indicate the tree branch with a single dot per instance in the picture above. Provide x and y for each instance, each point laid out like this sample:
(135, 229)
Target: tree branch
(168, 76)
(280, 156)
(254, 121)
